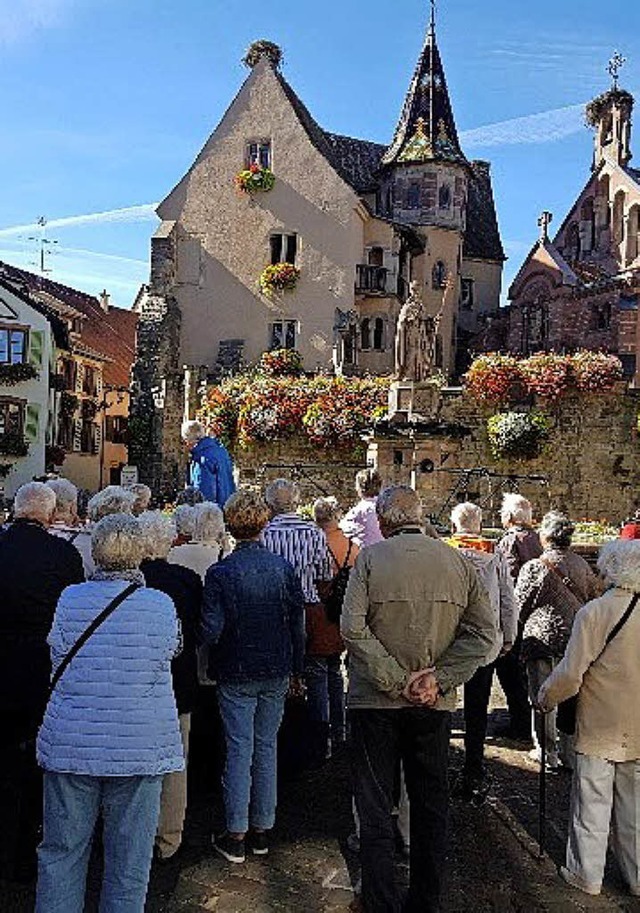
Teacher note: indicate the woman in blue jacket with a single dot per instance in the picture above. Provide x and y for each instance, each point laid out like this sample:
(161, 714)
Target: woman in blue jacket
(253, 612)
(210, 467)
(110, 731)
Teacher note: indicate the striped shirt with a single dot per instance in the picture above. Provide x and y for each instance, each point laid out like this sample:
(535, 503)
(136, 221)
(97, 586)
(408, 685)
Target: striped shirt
(304, 546)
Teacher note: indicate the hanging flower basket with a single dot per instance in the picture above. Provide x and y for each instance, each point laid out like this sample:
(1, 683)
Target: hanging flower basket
(255, 179)
(68, 404)
(278, 277)
(517, 435)
(12, 444)
(54, 455)
(16, 374)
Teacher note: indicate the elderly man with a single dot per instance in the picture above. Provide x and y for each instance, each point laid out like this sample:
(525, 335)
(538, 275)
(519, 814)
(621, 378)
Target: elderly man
(34, 568)
(519, 544)
(417, 624)
(210, 469)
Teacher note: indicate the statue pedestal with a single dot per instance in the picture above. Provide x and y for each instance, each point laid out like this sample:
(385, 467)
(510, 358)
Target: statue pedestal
(411, 400)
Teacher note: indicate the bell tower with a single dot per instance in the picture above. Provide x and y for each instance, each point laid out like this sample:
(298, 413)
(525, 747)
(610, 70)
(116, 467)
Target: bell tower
(610, 116)
(425, 177)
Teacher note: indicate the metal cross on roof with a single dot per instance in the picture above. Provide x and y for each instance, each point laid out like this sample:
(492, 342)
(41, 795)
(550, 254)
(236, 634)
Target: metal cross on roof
(544, 222)
(615, 65)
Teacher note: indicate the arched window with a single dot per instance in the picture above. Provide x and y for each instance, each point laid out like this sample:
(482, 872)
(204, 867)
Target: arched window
(633, 234)
(572, 247)
(439, 275)
(365, 334)
(618, 217)
(588, 215)
(444, 196)
(378, 334)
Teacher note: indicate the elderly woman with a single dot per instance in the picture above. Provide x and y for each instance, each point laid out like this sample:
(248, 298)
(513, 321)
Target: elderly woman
(114, 499)
(184, 520)
(253, 611)
(107, 739)
(549, 591)
(601, 667)
(361, 522)
(493, 572)
(208, 542)
(210, 466)
(323, 660)
(142, 497)
(184, 588)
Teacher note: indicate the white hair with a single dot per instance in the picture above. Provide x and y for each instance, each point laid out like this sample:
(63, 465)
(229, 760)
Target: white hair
(282, 496)
(184, 519)
(117, 543)
(193, 431)
(208, 526)
(114, 499)
(159, 533)
(34, 501)
(619, 563)
(467, 517)
(142, 494)
(66, 497)
(556, 529)
(516, 509)
(325, 510)
(399, 506)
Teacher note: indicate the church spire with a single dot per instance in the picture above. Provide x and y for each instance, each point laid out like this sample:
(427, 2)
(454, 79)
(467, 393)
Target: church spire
(426, 130)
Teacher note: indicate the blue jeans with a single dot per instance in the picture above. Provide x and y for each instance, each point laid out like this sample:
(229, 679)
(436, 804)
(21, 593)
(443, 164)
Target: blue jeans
(251, 715)
(325, 692)
(130, 807)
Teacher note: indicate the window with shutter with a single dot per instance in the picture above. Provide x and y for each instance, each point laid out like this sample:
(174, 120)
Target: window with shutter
(36, 348)
(284, 248)
(32, 422)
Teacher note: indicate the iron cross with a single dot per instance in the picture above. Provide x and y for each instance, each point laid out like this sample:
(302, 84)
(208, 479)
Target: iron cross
(615, 65)
(544, 222)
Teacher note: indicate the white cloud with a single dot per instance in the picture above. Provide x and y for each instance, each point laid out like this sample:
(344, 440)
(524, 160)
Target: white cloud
(20, 18)
(142, 213)
(545, 127)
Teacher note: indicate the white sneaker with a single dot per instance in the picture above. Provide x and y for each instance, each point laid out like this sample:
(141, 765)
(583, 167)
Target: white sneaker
(576, 882)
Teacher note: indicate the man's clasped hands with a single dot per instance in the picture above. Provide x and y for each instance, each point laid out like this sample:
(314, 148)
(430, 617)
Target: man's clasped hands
(422, 688)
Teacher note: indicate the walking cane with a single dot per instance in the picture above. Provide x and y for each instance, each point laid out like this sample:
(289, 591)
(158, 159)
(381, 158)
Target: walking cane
(542, 798)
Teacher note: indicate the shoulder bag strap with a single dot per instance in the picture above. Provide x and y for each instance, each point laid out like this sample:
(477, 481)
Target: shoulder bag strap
(615, 630)
(89, 630)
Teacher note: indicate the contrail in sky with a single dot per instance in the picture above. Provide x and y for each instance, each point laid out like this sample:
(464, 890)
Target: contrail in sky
(129, 214)
(534, 128)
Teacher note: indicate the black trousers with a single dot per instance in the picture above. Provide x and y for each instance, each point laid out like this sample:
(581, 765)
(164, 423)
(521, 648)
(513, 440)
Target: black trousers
(477, 692)
(514, 684)
(420, 739)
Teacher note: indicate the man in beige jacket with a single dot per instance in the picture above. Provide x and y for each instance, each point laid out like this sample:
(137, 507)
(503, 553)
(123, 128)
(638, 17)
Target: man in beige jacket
(417, 624)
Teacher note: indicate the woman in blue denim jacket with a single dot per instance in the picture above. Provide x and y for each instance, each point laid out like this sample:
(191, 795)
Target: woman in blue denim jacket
(254, 614)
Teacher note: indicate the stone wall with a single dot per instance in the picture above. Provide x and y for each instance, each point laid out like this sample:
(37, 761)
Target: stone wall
(590, 467)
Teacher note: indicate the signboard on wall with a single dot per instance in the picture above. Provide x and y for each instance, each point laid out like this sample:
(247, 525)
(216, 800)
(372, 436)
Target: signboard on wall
(129, 475)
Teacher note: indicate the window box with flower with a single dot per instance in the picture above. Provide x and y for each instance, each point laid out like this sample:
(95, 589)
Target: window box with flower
(278, 277)
(255, 179)
(12, 374)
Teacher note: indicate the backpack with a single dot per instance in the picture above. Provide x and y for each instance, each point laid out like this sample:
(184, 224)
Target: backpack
(338, 587)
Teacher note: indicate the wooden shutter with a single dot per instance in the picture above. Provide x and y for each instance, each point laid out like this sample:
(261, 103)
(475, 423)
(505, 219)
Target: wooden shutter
(31, 422)
(292, 248)
(79, 376)
(97, 437)
(36, 348)
(77, 435)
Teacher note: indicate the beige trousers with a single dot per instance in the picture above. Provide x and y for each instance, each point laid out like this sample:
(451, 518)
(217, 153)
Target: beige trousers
(605, 796)
(173, 801)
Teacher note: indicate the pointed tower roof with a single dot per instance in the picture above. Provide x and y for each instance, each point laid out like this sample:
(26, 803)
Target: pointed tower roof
(426, 130)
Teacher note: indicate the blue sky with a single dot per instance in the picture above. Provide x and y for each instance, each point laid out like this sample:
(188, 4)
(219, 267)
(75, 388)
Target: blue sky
(106, 103)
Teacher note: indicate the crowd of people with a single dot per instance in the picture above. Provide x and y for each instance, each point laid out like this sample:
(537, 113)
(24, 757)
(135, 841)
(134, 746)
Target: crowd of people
(110, 629)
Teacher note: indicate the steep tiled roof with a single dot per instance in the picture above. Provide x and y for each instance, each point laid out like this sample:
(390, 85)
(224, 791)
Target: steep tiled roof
(358, 160)
(110, 334)
(482, 237)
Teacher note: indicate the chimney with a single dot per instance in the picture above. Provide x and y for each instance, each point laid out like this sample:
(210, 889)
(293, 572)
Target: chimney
(103, 298)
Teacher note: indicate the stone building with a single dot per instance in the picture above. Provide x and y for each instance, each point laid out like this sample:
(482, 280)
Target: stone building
(581, 288)
(359, 220)
(85, 411)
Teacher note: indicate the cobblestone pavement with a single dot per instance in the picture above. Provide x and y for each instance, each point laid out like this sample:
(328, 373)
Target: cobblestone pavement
(493, 864)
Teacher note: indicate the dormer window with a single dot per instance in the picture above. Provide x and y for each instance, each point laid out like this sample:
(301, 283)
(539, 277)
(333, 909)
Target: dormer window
(258, 153)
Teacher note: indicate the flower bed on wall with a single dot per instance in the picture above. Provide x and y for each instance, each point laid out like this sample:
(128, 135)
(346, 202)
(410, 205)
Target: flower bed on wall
(16, 374)
(256, 407)
(499, 379)
(517, 435)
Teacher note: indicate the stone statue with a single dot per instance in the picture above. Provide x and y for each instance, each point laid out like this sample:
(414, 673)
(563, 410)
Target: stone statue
(415, 339)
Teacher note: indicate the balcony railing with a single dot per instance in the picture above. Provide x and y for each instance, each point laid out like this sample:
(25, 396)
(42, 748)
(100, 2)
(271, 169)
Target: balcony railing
(371, 280)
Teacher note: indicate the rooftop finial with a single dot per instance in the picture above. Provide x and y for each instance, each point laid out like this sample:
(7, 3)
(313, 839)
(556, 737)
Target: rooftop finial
(432, 20)
(544, 222)
(615, 65)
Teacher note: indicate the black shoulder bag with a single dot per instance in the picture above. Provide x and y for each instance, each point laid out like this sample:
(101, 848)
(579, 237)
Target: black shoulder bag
(338, 587)
(566, 718)
(89, 630)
